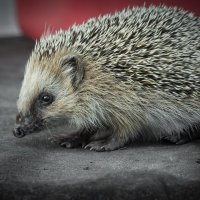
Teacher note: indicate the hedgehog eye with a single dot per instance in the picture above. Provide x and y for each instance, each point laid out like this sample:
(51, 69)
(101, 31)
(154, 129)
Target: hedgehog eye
(46, 99)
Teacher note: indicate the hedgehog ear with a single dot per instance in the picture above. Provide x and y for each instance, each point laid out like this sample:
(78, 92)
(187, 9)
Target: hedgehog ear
(72, 64)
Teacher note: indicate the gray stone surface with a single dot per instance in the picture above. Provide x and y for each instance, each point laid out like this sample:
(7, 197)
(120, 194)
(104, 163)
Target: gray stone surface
(33, 168)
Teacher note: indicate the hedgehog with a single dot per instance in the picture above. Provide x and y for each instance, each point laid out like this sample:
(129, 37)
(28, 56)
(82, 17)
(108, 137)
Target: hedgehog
(116, 78)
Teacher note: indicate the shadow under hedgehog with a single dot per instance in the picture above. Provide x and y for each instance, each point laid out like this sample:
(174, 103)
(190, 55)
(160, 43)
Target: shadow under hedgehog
(116, 78)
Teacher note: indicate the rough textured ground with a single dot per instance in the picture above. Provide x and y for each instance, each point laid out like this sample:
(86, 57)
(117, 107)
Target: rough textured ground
(32, 168)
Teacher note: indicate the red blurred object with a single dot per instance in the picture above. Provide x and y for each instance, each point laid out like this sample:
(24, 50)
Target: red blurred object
(36, 15)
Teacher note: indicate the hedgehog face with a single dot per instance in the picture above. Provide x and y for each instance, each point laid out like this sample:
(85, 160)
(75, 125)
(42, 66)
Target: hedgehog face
(47, 92)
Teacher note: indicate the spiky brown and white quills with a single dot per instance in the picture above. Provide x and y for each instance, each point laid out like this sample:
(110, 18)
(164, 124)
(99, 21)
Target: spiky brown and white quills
(116, 78)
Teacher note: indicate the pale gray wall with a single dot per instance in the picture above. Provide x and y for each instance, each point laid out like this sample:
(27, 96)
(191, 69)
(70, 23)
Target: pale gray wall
(8, 22)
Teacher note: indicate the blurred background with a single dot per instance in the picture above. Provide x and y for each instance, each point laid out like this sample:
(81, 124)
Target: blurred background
(32, 17)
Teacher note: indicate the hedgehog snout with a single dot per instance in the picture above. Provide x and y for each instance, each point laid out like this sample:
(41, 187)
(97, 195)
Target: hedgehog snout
(18, 132)
(26, 125)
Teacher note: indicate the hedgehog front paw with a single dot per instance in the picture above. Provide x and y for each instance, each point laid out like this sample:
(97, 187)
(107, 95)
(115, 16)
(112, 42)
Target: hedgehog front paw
(68, 141)
(105, 145)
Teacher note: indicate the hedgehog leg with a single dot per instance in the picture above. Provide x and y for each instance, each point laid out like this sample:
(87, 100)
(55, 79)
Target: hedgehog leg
(108, 144)
(68, 141)
(176, 139)
(181, 138)
(71, 140)
(184, 137)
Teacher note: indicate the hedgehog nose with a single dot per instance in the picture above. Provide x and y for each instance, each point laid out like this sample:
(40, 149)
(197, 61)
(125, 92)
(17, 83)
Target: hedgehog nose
(18, 132)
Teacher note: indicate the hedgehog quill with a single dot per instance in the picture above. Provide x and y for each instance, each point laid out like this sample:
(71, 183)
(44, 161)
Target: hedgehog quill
(116, 78)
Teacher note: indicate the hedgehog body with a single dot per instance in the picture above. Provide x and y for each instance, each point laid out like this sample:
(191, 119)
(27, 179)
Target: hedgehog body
(117, 78)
